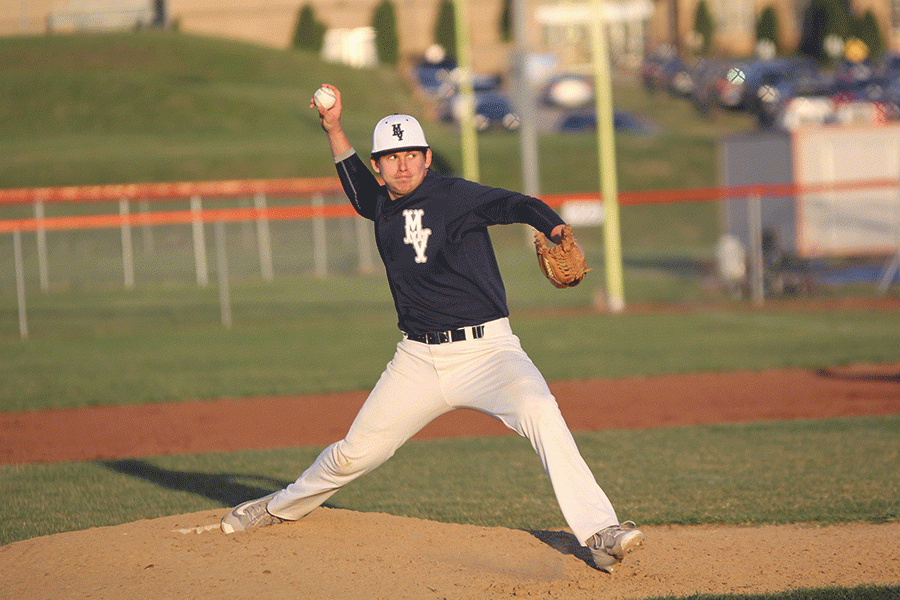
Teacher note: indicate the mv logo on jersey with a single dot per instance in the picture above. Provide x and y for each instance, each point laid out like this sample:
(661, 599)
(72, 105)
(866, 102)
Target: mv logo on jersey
(415, 235)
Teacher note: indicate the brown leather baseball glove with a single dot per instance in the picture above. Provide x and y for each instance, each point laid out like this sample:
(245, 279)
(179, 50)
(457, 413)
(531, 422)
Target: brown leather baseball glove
(564, 265)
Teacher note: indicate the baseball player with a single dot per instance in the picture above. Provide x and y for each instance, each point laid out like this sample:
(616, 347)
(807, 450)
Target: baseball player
(457, 350)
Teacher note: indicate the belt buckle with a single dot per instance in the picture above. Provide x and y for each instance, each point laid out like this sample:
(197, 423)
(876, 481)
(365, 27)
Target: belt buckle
(437, 337)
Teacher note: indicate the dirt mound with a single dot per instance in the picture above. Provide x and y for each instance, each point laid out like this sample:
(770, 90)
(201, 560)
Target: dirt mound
(335, 553)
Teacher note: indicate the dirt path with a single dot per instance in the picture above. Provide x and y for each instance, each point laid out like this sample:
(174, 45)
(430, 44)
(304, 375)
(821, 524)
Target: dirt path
(344, 554)
(109, 432)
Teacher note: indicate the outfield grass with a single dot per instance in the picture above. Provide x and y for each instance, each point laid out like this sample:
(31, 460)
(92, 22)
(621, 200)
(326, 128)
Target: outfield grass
(298, 336)
(813, 471)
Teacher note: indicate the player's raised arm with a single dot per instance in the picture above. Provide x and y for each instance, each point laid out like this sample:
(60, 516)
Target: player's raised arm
(329, 106)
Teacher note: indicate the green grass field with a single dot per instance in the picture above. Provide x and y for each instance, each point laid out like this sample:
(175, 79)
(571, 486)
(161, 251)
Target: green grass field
(303, 336)
(158, 106)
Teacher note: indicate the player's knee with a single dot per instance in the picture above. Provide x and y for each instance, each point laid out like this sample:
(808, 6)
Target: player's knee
(537, 410)
(347, 459)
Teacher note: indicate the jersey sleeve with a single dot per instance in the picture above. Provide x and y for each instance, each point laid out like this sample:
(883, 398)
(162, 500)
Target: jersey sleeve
(479, 205)
(359, 184)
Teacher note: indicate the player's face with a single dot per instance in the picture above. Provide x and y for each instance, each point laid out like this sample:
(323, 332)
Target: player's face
(403, 171)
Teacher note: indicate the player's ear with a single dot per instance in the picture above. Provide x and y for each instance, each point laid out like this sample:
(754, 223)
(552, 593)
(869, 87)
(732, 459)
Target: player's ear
(427, 157)
(375, 166)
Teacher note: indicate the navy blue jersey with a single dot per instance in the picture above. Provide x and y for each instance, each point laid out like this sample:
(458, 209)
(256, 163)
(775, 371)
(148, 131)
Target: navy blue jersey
(434, 242)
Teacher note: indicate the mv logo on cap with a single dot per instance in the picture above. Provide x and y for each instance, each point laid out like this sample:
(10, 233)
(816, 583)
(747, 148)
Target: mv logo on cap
(397, 132)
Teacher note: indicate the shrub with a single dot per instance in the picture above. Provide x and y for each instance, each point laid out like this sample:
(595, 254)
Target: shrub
(445, 27)
(505, 25)
(309, 33)
(703, 26)
(813, 31)
(867, 30)
(767, 26)
(384, 22)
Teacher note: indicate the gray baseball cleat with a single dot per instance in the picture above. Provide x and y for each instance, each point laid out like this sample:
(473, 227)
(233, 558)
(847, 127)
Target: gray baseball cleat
(250, 515)
(609, 546)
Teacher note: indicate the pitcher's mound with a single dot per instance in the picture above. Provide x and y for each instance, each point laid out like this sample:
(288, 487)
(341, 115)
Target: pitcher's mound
(336, 553)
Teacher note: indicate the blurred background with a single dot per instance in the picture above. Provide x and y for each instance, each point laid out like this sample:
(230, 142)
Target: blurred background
(152, 144)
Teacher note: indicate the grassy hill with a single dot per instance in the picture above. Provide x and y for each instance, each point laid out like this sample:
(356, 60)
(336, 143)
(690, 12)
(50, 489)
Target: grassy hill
(161, 106)
(164, 106)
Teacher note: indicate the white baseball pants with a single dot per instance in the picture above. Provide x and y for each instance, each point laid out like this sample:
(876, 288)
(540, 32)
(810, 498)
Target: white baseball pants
(492, 375)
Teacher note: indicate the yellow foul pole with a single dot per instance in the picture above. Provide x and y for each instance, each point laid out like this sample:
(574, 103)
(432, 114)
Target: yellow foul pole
(606, 150)
(466, 92)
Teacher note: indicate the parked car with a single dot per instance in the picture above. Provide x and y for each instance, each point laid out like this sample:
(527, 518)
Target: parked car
(804, 111)
(492, 111)
(744, 84)
(622, 121)
(432, 76)
(892, 94)
(666, 72)
(706, 75)
(811, 86)
(839, 100)
(568, 91)
(890, 66)
(870, 89)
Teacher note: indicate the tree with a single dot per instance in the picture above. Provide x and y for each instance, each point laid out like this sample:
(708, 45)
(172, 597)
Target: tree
(868, 32)
(703, 26)
(445, 27)
(309, 33)
(767, 26)
(506, 28)
(384, 22)
(840, 21)
(813, 30)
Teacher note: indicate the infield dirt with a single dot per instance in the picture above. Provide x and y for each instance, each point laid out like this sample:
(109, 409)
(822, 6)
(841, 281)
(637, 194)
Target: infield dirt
(336, 553)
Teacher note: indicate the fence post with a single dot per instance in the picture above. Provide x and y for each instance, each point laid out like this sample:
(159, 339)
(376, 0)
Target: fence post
(199, 243)
(127, 250)
(222, 271)
(263, 238)
(41, 234)
(20, 283)
(754, 225)
(146, 228)
(320, 242)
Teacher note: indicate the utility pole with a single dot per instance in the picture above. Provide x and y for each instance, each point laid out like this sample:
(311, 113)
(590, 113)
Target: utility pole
(525, 101)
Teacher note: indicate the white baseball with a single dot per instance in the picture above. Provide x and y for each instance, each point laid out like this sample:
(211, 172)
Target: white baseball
(324, 98)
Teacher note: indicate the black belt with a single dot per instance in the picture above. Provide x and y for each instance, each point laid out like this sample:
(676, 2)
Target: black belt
(443, 337)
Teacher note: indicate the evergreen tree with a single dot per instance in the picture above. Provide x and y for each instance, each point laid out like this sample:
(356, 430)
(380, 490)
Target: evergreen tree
(813, 31)
(767, 26)
(703, 25)
(840, 20)
(309, 33)
(867, 30)
(384, 22)
(445, 27)
(506, 29)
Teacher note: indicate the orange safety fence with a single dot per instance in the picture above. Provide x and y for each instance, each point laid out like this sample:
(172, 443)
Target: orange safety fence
(172, 190)
(283, 213)
(306, 187)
